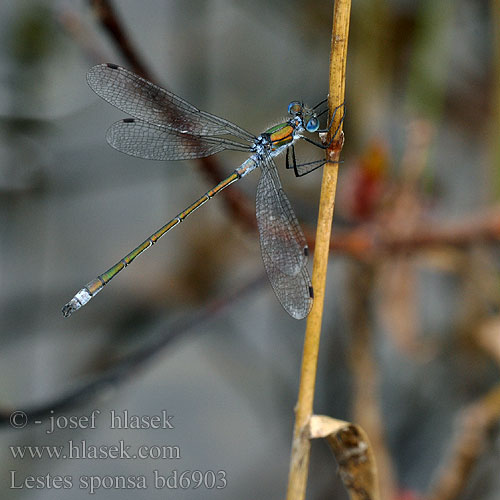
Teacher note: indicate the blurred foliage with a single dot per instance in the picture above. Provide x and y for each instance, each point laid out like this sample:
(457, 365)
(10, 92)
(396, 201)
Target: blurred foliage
(33, 33)
(422, 154)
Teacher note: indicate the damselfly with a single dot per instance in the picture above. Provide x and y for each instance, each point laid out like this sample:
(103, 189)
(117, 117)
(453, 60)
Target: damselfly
(166, 127)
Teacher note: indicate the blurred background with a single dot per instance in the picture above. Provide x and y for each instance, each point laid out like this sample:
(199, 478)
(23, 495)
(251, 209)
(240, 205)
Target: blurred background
(411, 333)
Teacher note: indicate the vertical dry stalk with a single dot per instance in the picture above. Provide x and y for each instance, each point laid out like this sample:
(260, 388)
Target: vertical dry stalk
(366, 409)
(299, 463)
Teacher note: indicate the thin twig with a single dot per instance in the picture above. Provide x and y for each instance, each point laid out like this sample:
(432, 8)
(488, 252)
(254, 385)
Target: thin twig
(139, 359)
(371, 240)
(299, 461)
(472, 435)
(471, 440)
(110, 21)
(75, 27)
(235, 199)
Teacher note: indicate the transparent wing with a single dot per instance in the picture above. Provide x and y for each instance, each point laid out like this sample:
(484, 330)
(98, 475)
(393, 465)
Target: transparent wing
(279, 229)
(295, 293)
(153, 142)
(144, 100)
(283, 245)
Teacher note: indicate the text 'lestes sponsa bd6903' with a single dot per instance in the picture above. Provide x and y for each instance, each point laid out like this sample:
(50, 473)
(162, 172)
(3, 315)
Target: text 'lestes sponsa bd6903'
(166, 127)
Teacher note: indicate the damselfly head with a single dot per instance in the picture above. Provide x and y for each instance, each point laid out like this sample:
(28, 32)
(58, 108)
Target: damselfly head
(310, 118)
(295, 108)
(307, 116)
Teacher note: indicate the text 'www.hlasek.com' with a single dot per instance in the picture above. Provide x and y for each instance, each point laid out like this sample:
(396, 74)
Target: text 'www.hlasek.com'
(82, 449)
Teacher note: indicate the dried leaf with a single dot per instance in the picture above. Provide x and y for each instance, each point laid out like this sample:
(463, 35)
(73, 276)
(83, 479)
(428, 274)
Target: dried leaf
(353, 452)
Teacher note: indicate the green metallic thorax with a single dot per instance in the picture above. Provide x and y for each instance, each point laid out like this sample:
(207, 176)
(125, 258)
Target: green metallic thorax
(280, 135)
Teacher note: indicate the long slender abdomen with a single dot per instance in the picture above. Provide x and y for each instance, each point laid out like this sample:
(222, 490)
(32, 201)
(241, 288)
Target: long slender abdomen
(96, 285)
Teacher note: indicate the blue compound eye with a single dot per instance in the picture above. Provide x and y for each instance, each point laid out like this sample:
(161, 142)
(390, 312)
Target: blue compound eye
(294, 108)
(312, 125)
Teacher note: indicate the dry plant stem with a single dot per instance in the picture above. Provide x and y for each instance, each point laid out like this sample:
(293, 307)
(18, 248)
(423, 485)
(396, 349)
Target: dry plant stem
(110, 21)
(472, 435)
(77, 29)
(470, 441)
(366, 407)
(368, 241)
(299, 462)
